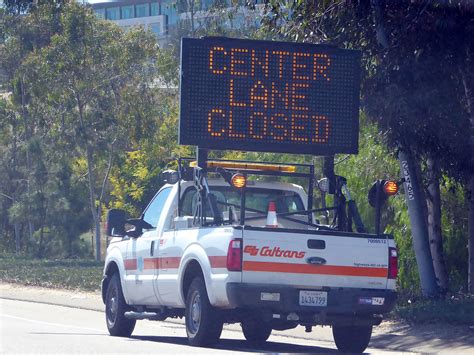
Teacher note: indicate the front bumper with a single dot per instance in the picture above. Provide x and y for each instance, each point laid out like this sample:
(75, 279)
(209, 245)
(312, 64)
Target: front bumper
(342, 304)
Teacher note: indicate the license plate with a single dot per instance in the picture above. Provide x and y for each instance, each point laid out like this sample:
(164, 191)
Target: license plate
(313, 298)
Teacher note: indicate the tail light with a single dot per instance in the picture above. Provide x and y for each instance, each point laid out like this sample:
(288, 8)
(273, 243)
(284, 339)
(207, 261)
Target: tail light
(234, 255)
(392, 263)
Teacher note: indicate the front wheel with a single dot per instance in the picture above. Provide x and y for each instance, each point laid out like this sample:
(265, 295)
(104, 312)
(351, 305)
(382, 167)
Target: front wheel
(203, 321)
(352, 339)
(255, 331)
(115, 307)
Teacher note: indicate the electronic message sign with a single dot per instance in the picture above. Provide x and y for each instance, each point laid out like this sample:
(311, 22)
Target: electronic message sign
(269, 96)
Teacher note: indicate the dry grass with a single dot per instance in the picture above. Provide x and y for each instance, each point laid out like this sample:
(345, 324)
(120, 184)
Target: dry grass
(66, 274)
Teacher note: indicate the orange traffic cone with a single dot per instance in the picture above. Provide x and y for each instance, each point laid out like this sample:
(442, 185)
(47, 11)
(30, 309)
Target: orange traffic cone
(272, 216)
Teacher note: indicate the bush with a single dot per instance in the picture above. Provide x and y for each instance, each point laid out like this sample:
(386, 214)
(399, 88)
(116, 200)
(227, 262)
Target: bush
(455, 309)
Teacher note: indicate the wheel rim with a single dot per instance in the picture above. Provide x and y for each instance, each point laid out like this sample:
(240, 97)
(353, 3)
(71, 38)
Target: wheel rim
(112, 306)
(195, 316)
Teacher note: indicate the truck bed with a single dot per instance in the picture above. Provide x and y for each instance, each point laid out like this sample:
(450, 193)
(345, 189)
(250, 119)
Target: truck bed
(315, 259)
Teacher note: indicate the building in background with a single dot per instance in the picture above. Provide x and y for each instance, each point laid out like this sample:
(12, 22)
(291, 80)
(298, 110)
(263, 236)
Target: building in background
(163, 16)
(150, 14)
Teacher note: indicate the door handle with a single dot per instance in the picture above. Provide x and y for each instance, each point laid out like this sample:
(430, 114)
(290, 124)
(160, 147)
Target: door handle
(316, 260)
(152, 248)
(316, 244)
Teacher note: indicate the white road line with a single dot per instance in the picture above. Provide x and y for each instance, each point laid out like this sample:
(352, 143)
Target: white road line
(51, 324)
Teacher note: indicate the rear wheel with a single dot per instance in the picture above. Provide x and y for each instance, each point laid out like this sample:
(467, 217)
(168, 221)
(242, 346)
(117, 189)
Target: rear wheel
(115, 307)
(256, 331)
(352, 339)
(203, 321)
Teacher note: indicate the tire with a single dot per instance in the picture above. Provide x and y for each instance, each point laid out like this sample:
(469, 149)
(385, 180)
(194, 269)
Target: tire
(203, 321)
(352, 339)
(256, 332)
(115, 307)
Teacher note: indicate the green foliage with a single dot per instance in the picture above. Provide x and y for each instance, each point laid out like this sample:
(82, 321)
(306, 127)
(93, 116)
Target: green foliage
(130, 181)
(18, 6)
(417, 75)
(455, 221)
(80, 85)
(414, 56)
(376, 161)
(83, 91)
(137, 179)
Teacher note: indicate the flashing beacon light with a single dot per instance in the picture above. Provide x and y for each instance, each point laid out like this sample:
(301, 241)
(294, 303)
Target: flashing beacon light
(390, 188)
(239, 181)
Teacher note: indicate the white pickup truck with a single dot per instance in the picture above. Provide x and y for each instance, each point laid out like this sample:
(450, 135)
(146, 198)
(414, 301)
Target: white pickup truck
(184, 259)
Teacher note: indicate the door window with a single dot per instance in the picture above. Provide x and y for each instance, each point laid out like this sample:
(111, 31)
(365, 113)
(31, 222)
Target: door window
(155, 208)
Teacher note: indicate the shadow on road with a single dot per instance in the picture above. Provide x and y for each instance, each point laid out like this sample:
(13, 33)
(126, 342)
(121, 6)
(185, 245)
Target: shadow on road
(242, 345)
(424, 342)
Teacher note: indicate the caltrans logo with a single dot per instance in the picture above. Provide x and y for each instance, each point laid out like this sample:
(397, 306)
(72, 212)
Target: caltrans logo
(251, 249)
(275, 251)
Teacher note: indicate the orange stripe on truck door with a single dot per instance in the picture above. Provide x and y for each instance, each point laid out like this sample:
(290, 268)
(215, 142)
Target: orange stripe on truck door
(314, 269)
(161, 263)
(130, 264)
(170, 263)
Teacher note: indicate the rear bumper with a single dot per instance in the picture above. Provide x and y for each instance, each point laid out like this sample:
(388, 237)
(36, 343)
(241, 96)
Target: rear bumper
(341, 303)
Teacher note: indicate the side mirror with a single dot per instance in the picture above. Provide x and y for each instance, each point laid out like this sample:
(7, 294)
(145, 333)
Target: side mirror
(169, 176)
(115, 225)
(139, 225)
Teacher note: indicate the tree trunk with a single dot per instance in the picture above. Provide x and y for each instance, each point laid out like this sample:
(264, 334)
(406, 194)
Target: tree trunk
(416, 211)
(378, 16)
(467, 84)
(92, 199)
(471, 234)
(40, 248)
(192, 18)
(433, 200)
(25, 115)
(104, 186)
(14, 187)
(16, 227)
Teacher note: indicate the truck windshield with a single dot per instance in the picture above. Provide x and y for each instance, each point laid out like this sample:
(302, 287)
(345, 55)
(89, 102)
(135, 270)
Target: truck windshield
(256, 200)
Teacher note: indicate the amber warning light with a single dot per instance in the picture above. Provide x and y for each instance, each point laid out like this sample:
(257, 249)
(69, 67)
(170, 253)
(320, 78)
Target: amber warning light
(238, 181)
(269, 96)
(390, 188)
(386, 188)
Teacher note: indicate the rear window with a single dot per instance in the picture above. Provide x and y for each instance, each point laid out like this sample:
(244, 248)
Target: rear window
(255, 198)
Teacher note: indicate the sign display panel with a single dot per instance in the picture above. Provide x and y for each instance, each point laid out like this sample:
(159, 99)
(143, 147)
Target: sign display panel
(269, 96)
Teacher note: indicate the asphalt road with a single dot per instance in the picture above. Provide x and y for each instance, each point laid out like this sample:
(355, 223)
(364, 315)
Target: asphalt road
(28, 327)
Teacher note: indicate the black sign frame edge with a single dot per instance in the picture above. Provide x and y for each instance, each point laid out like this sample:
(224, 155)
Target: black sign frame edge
(326, 47)
(298, 150)
(322, 151)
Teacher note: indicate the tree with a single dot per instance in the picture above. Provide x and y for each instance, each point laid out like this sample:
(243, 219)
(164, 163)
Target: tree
(18, 7)
(411, 54)
(24, 28)
(95, 74)
(467, 78)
